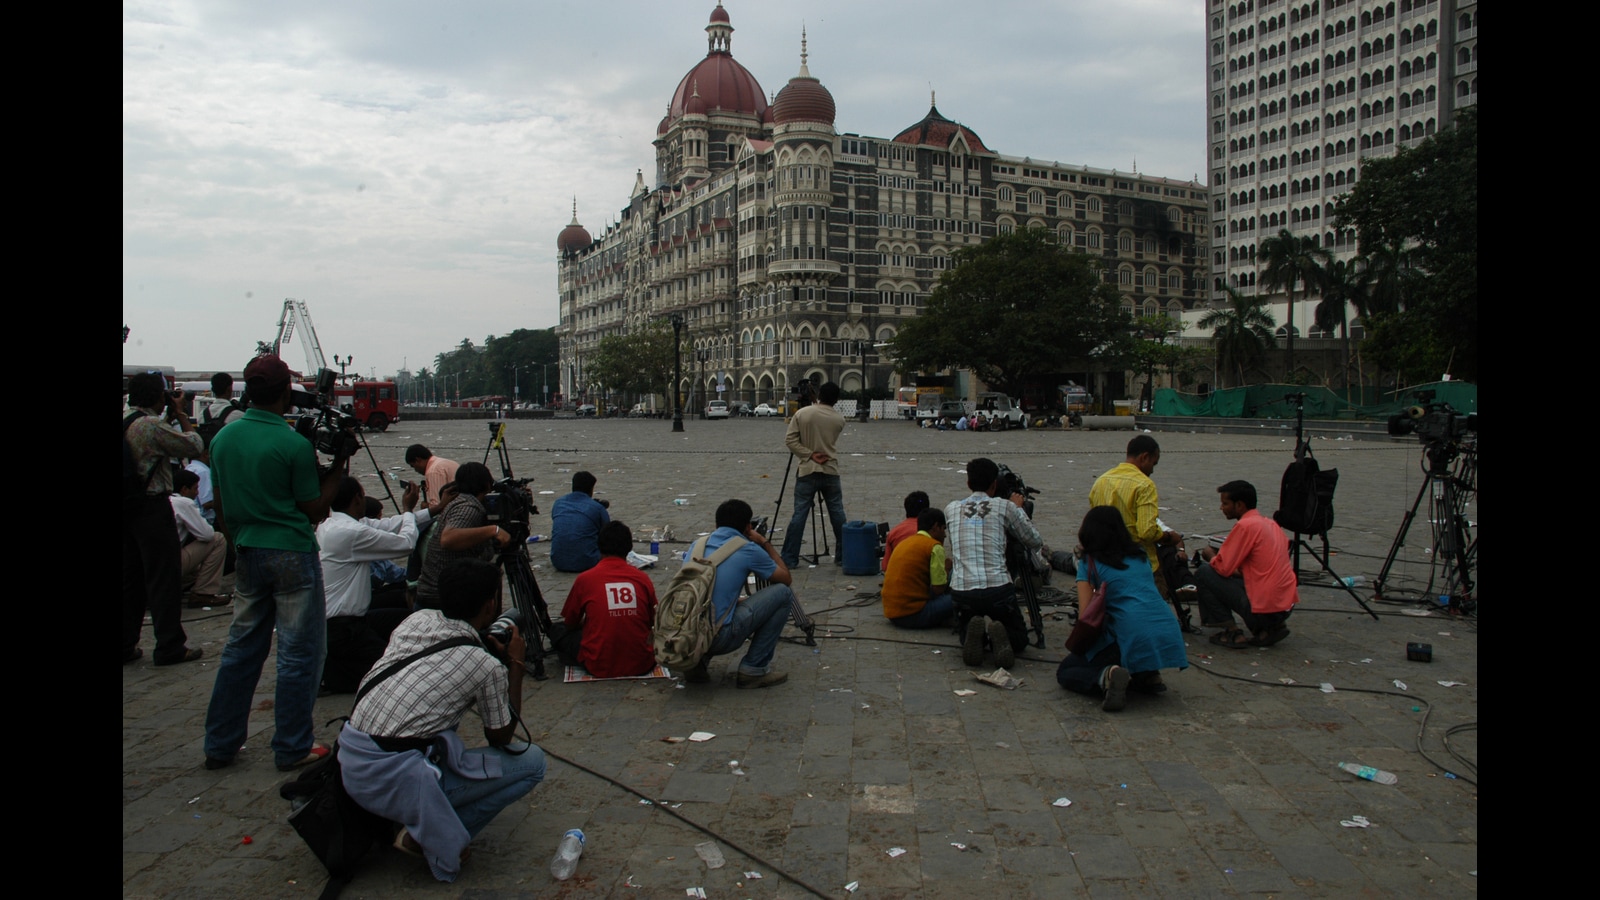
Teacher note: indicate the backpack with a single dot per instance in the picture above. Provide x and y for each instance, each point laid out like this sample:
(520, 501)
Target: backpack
(1305, 499)
(208, 427)
(683, 630)
(134, 484)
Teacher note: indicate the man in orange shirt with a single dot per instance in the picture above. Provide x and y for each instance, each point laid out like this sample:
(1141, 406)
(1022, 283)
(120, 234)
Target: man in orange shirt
(1251, 575)
(436, 472)
(916, 589)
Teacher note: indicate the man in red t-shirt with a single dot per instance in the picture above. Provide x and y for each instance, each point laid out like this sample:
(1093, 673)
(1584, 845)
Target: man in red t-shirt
(609, 611)
(1251, 575)
(915, 503)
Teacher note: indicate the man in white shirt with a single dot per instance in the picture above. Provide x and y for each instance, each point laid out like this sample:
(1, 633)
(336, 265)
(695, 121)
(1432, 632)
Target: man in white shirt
(204, 550)
(348, 545)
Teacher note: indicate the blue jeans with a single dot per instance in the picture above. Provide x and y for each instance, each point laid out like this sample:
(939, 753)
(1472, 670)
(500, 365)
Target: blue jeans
(805, 490)
(932, 614)
(282, 589)
(478, 802)
(759, 617)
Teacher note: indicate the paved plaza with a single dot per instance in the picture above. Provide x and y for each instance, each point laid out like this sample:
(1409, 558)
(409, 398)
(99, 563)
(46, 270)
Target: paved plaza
(868, 768)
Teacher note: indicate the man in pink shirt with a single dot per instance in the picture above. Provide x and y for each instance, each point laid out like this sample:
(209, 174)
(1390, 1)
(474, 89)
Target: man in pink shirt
(1251, 575)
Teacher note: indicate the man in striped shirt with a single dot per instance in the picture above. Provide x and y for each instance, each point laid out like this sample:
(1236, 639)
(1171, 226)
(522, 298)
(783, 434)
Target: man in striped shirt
(979, 581)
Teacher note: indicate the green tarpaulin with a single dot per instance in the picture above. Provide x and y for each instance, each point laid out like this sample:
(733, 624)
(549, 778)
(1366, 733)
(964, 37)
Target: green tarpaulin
(1268, 401)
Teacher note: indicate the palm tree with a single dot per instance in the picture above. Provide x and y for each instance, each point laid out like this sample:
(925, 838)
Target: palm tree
(1390, 275)
(1344, 284)
(1291, 260)
(1242, 333)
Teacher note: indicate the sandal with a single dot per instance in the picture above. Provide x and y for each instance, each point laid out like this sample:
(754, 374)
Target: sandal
(1273, 636)
(1233, 639)
(318, 751)
(405, 843)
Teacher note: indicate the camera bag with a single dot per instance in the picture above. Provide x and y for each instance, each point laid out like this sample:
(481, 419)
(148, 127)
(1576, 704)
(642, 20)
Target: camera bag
(683, 629)
(1305, 498)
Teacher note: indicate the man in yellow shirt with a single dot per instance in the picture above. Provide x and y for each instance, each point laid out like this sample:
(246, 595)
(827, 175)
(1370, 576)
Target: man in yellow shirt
(1128, 488)
(916, 588)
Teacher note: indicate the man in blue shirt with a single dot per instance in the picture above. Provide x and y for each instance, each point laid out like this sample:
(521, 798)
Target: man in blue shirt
(575, 523)
(761, 616)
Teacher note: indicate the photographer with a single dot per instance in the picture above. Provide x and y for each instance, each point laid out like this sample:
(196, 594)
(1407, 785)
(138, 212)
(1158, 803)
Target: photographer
(812, 437)
(401, 755)
(980, 582)
(462, 532)
(150, 550)
(272, 495)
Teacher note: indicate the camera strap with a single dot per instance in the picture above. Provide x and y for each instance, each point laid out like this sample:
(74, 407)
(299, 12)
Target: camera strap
(397, 665)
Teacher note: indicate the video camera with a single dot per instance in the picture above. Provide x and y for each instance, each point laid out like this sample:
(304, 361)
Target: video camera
(510, 506)
(500, 630)
(329, 429)
(1011, 483)
(762, 525)
(1433, 423)
(805, 393)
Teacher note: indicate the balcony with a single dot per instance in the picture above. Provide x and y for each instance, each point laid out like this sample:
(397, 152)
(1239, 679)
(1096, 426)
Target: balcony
(804, 267)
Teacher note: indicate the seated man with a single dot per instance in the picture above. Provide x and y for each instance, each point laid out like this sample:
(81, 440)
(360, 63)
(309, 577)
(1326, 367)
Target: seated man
(1251, 575)
(979, 581)
(204, 549)
(759, 617)
(349, 543)
(575, 523)
(609, 611)
(390, 585)
(462, 531)
(915, 503)
(916, 589)
(410, 717)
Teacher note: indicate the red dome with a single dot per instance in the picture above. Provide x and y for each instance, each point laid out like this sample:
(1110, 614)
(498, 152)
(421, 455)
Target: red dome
(666, 123)
(574, 237)
(803, 99)
(723, 84)
(719, 15)
(695, 105)
(936, 130)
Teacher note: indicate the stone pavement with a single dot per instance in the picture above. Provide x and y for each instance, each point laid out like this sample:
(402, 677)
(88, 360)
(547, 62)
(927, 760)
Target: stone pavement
(1224, 785)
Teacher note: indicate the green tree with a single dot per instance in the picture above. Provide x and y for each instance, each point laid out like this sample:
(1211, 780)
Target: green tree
(1292, 260)
(1344, 284)
(1416, 217)
(1240, 334)
(1012, 306)
(512, 363)
(639, 361)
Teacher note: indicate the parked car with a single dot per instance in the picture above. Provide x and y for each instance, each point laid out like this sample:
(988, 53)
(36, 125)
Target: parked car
(1001, 413)
(766, 410)
(717, 409)
(952, 410)
(586, 409)
(741, 408)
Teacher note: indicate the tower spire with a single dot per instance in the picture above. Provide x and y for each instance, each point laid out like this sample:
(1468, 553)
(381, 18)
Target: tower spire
(574, 209)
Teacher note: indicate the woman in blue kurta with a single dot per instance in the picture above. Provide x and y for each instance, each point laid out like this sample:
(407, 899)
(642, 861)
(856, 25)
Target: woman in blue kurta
(1141, 635)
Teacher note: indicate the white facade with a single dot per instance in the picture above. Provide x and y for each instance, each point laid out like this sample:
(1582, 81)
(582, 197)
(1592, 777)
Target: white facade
(1300, 96)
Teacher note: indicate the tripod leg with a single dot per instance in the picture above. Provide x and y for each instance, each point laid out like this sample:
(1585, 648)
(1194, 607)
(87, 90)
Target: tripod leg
(1030, 595)
(1399, 540)
(527, 598)
(1338, 582)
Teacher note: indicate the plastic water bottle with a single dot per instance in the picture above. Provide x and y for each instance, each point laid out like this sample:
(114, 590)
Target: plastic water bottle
(535, 538)
(565, 862)
(1369, 773)
(1353, 581)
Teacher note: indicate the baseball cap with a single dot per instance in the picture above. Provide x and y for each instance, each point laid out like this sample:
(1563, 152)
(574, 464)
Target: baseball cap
(266, 370)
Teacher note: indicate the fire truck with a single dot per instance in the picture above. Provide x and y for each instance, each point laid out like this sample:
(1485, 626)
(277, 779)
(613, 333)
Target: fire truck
(375, 404)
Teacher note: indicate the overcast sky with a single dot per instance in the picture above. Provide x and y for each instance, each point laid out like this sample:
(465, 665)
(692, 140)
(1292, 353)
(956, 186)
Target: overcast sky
(404, 166)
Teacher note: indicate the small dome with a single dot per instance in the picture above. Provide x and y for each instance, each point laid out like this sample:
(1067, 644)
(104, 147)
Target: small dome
(695, 105)
(574, 237)
(719, 15)
(666, 124)
(803, 99)
(937, 131)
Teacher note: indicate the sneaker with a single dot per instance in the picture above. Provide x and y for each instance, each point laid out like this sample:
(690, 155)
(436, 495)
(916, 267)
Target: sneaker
(698, 674)
(213, 763)
(761, 681)
(1115, 682)
(1004, 656)
(972, 647)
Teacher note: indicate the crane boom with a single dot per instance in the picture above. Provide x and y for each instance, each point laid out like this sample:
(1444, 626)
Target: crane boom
(296, 310)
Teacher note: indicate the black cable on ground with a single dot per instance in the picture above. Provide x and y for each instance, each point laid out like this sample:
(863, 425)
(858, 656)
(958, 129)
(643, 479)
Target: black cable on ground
(661, 805)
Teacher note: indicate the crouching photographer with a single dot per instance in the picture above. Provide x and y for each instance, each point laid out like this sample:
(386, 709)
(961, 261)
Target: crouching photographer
(400, 754)
(464, 531)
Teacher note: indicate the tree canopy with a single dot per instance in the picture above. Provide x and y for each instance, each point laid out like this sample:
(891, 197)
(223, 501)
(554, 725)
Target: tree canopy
(1419, 210)
(1015, 305)
(639, 361)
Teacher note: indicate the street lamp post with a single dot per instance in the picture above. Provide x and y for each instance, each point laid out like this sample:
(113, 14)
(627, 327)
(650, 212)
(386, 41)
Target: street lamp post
(544, 399)
(343, 364)
(677, 368)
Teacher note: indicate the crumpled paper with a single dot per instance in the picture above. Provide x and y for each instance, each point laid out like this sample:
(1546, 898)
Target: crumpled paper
(1000, 678)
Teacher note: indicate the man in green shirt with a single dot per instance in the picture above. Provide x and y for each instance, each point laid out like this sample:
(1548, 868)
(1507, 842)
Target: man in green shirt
(272, 495)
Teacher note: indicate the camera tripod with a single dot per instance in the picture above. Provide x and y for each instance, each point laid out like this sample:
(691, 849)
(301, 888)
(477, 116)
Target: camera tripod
(1303, 458)
(816, 556)
(1450, 482)
(510, 508)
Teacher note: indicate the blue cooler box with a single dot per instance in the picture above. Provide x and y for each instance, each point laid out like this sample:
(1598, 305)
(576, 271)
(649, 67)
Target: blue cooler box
(860, 548)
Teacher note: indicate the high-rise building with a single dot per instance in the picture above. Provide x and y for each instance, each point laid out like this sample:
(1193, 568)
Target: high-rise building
(792, 250)
(1302, 95)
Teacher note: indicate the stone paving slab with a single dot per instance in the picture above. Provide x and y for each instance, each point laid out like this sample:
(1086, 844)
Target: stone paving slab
(1222, 786)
